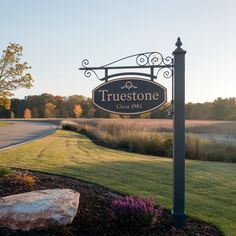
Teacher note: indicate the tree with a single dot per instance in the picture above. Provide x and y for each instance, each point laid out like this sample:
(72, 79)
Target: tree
(15, 102)
(37, 103)
(62, 110)
(72, 101)
(35, 113)
(77, 110)
(91, 112)
(5, 102)
(219, 108)
(161, 112)
(50, 110)
(13, 73)
(27, 113)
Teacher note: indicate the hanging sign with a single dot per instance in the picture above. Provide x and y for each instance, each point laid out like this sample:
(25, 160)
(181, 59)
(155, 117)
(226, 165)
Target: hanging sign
(129, 96)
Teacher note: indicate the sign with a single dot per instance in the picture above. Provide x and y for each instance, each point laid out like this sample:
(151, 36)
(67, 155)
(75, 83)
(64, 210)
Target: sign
(129, 96)
(132, 95)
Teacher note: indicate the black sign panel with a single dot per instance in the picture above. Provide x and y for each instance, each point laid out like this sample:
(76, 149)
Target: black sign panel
(129, 96)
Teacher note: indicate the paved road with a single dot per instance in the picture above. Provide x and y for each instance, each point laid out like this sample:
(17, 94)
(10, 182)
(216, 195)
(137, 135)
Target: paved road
(23, 131)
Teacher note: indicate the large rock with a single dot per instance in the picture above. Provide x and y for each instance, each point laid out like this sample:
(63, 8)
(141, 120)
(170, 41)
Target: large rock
(39, 209)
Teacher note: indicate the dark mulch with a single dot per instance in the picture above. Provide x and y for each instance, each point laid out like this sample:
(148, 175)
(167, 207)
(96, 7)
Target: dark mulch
(92, 218)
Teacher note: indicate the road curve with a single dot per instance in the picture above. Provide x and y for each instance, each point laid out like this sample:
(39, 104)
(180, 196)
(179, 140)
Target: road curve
(23, 131)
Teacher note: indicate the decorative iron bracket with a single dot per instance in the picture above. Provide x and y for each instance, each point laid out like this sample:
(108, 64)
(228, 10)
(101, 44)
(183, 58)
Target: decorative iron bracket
(153, 61)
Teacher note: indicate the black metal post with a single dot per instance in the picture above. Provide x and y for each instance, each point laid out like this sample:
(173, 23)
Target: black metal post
(179, 136)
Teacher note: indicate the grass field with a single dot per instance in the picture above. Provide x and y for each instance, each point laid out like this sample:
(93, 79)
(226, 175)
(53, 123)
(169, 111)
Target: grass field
(210, 187)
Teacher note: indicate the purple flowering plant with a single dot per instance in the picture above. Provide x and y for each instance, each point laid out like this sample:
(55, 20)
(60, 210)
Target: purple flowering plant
(135, 212)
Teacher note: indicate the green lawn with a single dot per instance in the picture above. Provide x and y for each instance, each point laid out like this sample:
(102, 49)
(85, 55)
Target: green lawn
(210, 186)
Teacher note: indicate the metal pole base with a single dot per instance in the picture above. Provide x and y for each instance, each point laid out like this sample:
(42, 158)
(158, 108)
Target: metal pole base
(179, 220)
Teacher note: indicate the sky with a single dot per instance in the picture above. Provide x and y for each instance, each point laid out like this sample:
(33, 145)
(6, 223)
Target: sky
(58, 34)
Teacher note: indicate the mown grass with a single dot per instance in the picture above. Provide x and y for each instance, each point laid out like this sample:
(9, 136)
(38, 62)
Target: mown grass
(210, 186)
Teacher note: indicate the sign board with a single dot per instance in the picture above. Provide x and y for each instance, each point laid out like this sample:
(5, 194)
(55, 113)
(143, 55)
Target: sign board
(129, 96)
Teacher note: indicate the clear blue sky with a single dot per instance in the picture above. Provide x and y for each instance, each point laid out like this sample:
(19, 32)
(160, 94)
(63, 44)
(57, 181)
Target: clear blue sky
(58, 34)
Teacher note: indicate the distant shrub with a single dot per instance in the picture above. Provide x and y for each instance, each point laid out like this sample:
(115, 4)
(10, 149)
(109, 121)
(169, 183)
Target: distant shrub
(69, 125)
(6, 171)
(135, 213)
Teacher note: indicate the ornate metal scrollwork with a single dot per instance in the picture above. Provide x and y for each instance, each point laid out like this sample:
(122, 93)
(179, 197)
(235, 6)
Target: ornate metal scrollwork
(166, 72)
(142, 60)
(148, 60)
(88, 72)
(85, 63)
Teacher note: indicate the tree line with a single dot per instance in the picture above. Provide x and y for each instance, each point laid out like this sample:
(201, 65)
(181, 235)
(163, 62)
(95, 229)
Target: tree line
(219, 109)
(50, 106)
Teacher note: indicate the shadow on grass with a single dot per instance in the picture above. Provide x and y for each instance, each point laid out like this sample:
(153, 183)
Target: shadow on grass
(115, 193)
(155, 180)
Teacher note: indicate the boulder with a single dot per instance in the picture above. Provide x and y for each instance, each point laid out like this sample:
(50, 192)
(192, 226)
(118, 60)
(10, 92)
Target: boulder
(39, 209)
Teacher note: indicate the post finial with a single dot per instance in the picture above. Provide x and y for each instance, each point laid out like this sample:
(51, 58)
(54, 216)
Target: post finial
(178, 44)
(179, 50)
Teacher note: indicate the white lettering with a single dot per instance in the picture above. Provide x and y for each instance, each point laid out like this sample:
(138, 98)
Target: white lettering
(148, 96)
(140, 96)
(117, 97)
(103, 94)
(155, 96)
(120, 106)
(109, 95)
(123, 97)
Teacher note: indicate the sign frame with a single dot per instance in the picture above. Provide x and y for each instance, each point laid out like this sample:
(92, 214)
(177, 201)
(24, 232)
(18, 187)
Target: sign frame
(128, 79)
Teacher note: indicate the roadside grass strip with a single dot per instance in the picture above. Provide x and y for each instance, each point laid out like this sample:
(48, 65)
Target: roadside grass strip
(3, 124)
(210, 186)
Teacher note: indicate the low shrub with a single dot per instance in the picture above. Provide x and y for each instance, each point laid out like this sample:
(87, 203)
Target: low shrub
(69, 125)
(135, 213)
(25, 178)
(28, 179)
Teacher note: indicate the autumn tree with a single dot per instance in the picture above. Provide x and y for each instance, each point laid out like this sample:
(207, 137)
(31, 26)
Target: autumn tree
(37, 103)
(5, 102)
(50, 110)
(77, 110)
(13, 73)
(27, 113)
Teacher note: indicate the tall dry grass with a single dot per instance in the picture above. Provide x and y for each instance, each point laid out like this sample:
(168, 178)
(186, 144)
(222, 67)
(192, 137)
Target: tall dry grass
(146, 137)
(192, 126)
